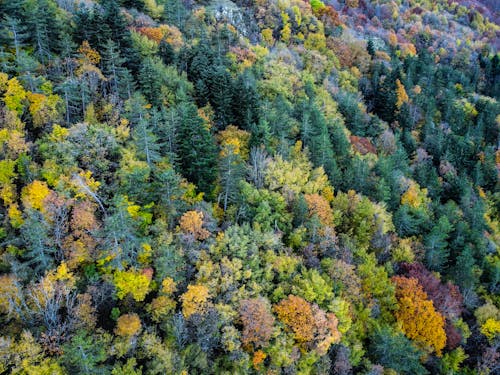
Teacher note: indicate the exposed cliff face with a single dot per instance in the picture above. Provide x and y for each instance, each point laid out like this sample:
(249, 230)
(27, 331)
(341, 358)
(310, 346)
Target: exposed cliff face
(240, 18)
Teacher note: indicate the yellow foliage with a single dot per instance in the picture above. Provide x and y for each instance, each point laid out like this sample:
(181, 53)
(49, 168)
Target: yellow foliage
(43, 109)
(7, 172)
(88, 55)
(131, 282)
(414, 196)
(195, 300)
(128, 325)
(15, 216)
(286, 32)
(402, 96)
(161, 307)
(9, 293)
(491, 328)
(58, 133)
(34, 194)
(63, 274)
(416, 314)
(191, 222)
(315, 41)
(144, 256)
(15, 96)
(235, 140)
(168, 286)
(8, 194)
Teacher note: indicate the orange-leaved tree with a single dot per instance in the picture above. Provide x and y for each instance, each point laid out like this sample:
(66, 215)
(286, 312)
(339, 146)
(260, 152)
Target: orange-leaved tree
(417, 316)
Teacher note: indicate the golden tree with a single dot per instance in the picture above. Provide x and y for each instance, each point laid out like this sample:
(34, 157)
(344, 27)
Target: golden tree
(195, 300)
(297, 314)
(402, 96)
(192, 223)
(319, 206)
(416, 314)
(128, 325)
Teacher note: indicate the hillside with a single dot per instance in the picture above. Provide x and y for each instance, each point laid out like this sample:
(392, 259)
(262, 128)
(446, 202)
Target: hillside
(249, 187)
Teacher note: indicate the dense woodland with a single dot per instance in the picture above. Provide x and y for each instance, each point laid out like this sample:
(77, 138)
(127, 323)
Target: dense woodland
(250, 187)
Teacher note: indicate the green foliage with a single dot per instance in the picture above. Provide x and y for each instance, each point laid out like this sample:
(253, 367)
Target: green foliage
(393, 350)
(228, 187)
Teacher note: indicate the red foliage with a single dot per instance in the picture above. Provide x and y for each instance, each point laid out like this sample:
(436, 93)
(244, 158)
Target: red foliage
(329, 16)
(453, 336)
(446, 297)
(362, 145)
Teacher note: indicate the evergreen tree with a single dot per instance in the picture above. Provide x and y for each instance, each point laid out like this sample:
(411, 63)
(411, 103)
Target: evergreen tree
(144, 138)
(196, 148)
(395, 351)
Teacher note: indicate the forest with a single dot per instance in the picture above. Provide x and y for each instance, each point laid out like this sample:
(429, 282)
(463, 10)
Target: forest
(250, 187)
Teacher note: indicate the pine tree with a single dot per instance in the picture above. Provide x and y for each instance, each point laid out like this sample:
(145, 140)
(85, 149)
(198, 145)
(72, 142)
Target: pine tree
(196, 148)
(39, 248)
(119, 80)
(144, 138)
(437, 253)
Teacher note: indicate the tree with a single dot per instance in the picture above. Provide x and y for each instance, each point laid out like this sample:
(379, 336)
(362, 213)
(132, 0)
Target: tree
(40, 251)
(446, 297)
(234, 150)
(137, 284)
(417, 316)
(195, 300)
(401, 95)
(128, 325)
(144, 138)
(296, 313)
(26, 356)
(191, 223)
(85, 352)
(119, 80)
(255, 314)
(393, 350)
(196, 148)
(437, 251)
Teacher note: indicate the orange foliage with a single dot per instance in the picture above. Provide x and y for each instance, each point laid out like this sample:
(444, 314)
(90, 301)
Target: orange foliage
(258, 357)
(170, 34)
(416, 314)
(319, 206)
(408, 49)
(191, 222)
(329, 16)
(362, 145)
(128, 325)
(153, 33)
(297, 314)
(393, 39)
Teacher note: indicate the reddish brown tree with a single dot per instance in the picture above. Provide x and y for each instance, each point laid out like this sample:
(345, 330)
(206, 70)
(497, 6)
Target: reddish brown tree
(257, 321)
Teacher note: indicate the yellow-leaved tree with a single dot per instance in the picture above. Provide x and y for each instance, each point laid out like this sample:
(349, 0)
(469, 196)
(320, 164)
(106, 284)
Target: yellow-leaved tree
(417, 316)
(195, 300)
